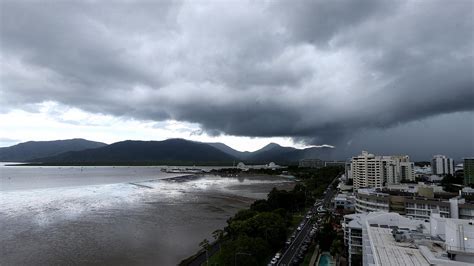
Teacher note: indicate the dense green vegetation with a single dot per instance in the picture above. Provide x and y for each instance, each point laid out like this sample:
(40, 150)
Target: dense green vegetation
(253, 235)
(422, 163)
(262, 229)
(316, 180)
(452, 183)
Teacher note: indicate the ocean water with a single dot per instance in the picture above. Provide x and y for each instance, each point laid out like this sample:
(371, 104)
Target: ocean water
(115, 215)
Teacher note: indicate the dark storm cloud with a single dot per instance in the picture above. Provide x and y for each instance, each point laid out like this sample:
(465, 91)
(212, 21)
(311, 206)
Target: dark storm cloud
(449, 134)
(319, 21)
(316, 71)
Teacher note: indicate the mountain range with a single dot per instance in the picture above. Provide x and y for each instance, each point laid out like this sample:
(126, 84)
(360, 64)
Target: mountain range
(171, 151)
(31, 150)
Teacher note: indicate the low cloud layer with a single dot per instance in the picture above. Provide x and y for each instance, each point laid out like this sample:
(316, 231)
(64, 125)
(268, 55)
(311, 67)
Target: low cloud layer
(316, 71)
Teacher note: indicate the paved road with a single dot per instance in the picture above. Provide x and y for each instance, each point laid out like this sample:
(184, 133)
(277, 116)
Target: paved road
(292, 250)
(330, 194)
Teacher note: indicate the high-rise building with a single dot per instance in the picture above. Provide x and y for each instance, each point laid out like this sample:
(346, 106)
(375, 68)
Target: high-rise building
(407, 171)
(369, 170)
(442, 165)
(403, 169)
(348, 171)
(469, 170)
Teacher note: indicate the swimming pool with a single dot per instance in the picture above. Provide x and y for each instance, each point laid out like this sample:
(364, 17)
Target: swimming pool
(325, 260)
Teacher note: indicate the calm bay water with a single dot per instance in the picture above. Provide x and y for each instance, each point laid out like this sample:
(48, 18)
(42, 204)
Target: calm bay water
(114, 215)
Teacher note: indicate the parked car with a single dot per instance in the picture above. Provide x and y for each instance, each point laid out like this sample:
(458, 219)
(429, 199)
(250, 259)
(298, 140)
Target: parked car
(296, 261)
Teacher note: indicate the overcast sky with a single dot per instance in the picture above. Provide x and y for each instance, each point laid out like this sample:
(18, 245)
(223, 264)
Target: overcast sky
(388, 76)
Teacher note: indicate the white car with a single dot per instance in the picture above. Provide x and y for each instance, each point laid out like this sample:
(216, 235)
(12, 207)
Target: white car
(274, 261)
(278, 255)
(299, 228)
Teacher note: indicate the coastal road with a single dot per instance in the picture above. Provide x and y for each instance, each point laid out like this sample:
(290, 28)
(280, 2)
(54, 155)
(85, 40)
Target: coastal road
(329, 194)
(292, 250)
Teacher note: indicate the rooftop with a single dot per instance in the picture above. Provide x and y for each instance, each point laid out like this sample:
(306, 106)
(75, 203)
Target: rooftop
(390, 252)
(397, 240)
(356, 220)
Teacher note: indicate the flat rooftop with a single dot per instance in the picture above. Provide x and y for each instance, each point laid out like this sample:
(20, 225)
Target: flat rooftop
(390, 252)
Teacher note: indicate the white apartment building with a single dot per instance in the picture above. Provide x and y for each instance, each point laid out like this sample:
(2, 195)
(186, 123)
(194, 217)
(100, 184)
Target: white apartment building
(391, 239)
(344, 201)
(415, 202)
(352, 227)
(442, 165)
(369, 170)
(407, 171)
(400, 168)
(370, 200)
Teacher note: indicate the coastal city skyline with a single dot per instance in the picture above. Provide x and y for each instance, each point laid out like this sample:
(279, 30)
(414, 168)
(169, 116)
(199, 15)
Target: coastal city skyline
(206, 132)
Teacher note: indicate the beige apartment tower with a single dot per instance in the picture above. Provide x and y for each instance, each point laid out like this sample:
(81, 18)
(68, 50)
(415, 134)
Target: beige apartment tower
(369, 170)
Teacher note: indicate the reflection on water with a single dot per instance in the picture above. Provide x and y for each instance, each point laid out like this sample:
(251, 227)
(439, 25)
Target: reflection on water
(128, 222)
